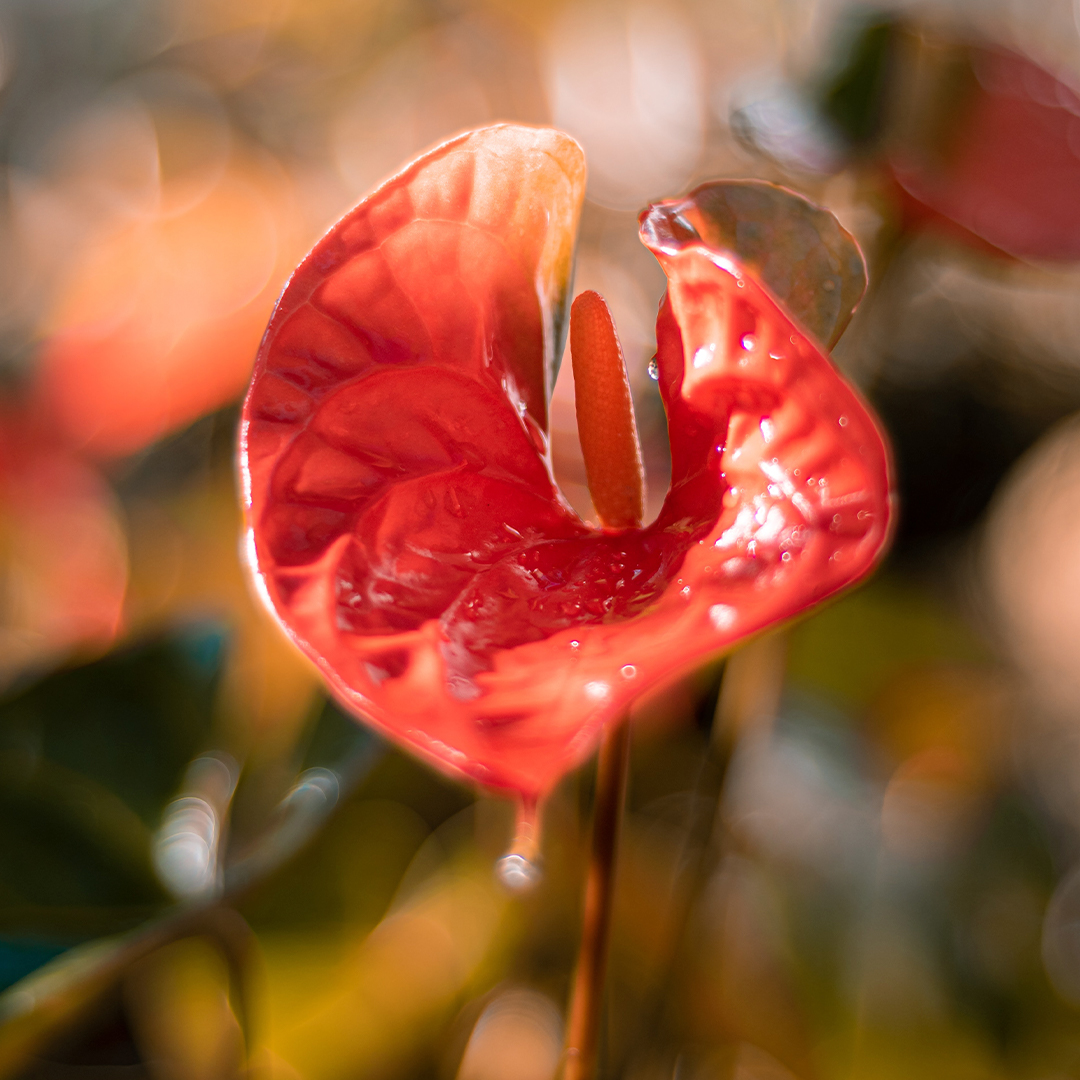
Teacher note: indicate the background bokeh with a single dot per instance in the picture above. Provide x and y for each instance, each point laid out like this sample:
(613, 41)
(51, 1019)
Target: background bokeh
(851, 849)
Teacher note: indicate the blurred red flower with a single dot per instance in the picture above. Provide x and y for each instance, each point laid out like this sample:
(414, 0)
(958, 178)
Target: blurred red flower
(404, 524)
(1000, 165)
(159, 319)
(63, 557)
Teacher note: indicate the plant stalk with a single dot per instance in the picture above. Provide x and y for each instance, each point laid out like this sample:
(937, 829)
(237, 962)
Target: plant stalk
(586, 1002)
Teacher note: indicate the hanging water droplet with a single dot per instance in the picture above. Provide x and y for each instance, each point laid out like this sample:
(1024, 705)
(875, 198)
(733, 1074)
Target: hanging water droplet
(519, 869)
(517, 873)
(654, 369)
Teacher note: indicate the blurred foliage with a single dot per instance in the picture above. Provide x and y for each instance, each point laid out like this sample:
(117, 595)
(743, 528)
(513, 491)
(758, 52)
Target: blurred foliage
(854, 97)
(91, 756)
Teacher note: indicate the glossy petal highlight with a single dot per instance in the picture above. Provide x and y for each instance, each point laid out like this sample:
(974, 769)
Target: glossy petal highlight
(404, 523)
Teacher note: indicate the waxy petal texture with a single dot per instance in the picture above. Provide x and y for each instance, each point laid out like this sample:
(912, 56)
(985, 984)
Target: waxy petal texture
(403, 520)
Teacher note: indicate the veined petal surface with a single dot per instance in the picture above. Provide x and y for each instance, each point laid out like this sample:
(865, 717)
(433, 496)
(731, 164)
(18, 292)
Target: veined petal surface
(404, 524)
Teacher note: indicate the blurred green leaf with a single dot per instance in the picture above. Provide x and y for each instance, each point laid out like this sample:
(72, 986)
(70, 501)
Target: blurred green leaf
(89, 757)
(850, 649)
(853, 92)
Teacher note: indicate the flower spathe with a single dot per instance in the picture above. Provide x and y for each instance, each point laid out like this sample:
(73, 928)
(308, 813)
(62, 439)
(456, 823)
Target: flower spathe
(404, 525)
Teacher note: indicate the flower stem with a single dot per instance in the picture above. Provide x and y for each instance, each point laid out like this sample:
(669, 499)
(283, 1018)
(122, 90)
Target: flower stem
(583, 1025)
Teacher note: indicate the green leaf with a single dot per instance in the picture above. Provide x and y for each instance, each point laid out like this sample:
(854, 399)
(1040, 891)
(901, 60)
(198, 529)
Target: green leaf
(89, 757)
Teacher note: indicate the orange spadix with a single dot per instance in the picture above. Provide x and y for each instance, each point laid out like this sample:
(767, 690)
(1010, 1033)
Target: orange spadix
(605, 415)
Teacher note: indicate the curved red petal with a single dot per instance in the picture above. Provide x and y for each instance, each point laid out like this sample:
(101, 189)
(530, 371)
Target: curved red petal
(404, 524)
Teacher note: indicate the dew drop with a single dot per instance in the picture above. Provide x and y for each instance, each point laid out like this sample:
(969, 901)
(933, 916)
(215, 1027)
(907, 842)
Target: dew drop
(843, 421)
(517, 873)
(519, 869)
(749, 342)
(628, 671)
(654, 370)
(679, 220)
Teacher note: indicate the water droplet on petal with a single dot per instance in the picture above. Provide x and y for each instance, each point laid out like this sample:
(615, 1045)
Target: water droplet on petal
(628, 671)
(654, 369)
(749, 342)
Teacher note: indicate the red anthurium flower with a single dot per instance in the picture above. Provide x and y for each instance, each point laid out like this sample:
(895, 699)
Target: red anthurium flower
(404, 524)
